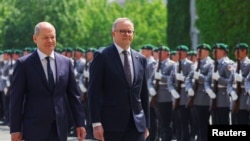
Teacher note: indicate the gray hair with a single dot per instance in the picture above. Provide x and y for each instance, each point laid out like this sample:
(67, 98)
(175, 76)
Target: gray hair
(40, 25)
(119, 20)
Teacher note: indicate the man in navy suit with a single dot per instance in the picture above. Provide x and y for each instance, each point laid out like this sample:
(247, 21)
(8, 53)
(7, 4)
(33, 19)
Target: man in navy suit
(43, 85)
(118, 95)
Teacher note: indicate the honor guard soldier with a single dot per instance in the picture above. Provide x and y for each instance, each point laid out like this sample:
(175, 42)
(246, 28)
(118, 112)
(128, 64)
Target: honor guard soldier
(27, 50)
(1, 91)
(199, 101)
(6, 72)
(192, 56)
(147, 51)
(216, 84)
(89, 58)
(164, 102)
(236, 87)
(176, 86)
(173, 56)
(155, 54)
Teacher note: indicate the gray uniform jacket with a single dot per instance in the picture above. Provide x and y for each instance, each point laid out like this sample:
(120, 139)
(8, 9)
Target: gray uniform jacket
(201, 97)
(244, 68)
(225, 67)
(163, 94)
(186, 68)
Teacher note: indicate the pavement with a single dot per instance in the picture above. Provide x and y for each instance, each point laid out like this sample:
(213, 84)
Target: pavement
(5, 134)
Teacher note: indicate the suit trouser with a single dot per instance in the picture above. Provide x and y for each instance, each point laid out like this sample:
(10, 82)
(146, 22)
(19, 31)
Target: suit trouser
(53, 135)
(130, 134)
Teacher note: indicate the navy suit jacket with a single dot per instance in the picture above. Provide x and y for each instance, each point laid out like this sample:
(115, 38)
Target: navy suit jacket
(112, 101)
(33, 107)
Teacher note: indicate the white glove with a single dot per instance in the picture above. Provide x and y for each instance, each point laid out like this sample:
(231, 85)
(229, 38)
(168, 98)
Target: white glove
(190, 92)
(86, 74)
(196, 74)
(216, 75)
(82, 88)
(152, 91)
(11, 71)
(234, 95)
(175, 94)
(238, 77)
(75, 72)
(180, 76)
(210, 93)
(158, 75)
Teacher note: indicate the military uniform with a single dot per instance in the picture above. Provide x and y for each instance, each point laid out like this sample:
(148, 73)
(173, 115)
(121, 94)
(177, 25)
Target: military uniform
(177, 89)
(220, 113)
(200, 106)
(240, 114)
(163, 97)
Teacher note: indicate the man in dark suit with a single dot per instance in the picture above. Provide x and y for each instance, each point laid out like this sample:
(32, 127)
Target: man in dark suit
(43, 82)
(118, 95)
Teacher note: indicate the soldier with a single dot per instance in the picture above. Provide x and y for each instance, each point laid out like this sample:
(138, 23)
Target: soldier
(16, 54)
(236, 87)
(147, 51)
(27, 50)
(192, 56)
(173, 56)
(216, 84)
(200, 103)
(177, 89)
(6, 73)
(1, 91)
(89, 58)
(164, 101)
(156, 54)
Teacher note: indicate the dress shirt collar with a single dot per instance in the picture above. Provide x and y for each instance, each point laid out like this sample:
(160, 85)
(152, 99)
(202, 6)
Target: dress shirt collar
(42, 55)
(120, 50)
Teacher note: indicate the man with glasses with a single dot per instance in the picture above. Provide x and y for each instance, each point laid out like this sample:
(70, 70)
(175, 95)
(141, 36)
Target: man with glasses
(117, 92)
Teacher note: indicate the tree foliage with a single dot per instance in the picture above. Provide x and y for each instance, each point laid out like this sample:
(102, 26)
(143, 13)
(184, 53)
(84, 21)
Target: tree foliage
(81, 23)
(178, 30)
(224, 21)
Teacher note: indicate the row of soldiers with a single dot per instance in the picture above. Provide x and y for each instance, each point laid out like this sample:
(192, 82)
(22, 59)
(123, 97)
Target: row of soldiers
(186, 87)
(190, 90)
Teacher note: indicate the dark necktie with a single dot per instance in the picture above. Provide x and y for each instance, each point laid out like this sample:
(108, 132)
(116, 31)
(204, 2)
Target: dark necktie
(50, 74)
(127, 68)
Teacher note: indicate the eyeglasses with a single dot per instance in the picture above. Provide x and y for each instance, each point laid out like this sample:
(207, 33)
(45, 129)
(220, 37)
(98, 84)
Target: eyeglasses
(130, 32)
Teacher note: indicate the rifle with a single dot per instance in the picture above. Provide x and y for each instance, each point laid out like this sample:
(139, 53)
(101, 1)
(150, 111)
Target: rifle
(153, 100)
(177, 101)
(236, 103)
(215, 82)
(196, 83)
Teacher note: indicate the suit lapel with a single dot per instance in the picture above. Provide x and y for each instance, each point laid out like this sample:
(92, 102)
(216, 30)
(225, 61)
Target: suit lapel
(36, 63)
(136, 64)
(118, 64)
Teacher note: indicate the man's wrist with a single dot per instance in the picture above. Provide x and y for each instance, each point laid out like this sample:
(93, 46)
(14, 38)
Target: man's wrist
(96, 124)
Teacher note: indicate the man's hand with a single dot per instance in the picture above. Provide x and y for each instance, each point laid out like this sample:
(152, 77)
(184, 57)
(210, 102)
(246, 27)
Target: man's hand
(16, 136)
(98, 133)
(146, 133)
(81, 133)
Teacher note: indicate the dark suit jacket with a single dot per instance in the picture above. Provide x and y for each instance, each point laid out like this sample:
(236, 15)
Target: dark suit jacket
(33, 107)
(111, 99)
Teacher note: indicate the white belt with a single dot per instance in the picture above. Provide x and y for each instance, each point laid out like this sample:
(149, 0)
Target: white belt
(234, 86)
(162, 83)
(220, 86)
